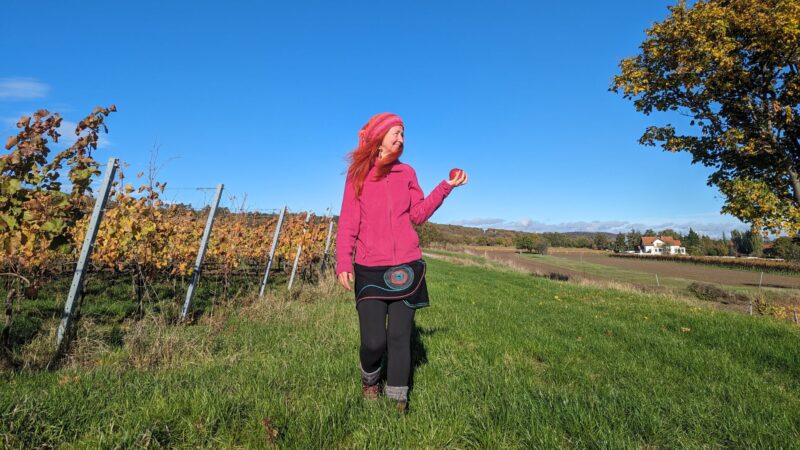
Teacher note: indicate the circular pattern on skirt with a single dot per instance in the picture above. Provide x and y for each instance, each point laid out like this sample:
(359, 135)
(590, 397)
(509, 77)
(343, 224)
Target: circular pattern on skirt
(399, 278)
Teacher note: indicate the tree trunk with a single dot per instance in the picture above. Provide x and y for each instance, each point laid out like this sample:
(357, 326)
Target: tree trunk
(795, 184)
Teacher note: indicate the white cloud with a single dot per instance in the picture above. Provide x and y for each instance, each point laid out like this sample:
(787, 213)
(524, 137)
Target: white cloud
(22, 89)
(479, 221)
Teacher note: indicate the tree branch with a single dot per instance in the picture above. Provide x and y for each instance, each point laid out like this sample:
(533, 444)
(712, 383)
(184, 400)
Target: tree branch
(10, 274)
(795, 183)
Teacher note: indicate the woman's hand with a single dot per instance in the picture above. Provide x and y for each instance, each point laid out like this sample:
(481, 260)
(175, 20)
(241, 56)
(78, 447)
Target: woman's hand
(345, 278)
(460, 179)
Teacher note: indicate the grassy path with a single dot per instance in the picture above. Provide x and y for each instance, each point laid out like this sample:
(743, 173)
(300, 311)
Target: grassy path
(502, 360)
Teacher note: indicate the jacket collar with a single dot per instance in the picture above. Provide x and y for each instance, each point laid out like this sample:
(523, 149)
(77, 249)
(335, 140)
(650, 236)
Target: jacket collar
(395, 167)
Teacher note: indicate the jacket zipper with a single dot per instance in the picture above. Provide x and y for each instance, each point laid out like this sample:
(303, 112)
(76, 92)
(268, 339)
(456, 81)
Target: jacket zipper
(391, 227)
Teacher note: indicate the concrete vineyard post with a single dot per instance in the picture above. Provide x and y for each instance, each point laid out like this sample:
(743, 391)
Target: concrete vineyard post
(299, 249)
(327, 247)
(272, 251)
(201, 253)
(86, 252)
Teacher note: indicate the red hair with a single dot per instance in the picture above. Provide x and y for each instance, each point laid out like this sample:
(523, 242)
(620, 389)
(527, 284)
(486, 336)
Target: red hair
(365, 156)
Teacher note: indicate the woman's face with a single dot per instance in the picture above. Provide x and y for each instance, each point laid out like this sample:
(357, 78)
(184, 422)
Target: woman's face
(393, 141)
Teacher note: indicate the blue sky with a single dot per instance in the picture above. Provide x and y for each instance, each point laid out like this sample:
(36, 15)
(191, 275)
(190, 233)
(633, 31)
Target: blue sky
(268, 97)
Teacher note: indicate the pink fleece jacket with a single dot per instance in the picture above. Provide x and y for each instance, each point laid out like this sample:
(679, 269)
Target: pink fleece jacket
(377, 225)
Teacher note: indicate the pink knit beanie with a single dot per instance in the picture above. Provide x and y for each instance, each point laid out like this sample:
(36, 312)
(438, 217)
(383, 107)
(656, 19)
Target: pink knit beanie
(378, 125)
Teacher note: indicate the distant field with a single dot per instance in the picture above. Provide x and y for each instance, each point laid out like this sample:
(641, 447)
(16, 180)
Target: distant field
(709, 274)
(593, 264)
(581, 262)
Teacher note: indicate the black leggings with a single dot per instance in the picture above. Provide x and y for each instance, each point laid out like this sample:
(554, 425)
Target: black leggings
(375, 334)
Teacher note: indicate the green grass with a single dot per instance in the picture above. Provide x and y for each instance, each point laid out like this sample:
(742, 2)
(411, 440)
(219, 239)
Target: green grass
(502, 360)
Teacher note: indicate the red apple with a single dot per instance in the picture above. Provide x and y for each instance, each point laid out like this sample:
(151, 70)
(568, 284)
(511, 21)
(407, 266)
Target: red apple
(455, 172)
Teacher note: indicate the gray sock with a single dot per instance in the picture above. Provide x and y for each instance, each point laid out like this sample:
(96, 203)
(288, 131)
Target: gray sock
(397, 393)
(370, 378)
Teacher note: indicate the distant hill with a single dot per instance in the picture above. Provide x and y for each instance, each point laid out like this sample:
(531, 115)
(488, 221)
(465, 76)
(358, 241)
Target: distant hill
(435, 233)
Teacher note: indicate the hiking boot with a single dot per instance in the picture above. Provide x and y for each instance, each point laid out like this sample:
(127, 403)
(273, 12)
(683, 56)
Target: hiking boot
(370, 391)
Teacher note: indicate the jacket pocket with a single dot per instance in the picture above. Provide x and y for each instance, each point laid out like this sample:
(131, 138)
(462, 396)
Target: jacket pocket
(362, 250)
(381, 247)
(408, 237)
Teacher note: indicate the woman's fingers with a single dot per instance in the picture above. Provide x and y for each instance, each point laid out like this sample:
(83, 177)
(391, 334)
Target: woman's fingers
(459, 179)
(345, 278)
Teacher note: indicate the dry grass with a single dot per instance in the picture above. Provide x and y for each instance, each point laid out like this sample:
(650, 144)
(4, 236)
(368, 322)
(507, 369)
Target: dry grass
(550, 250)
(83, 352)
(572, 250)
(326, 287)
(36, 355)
(148, 343)
(152, 343)
(469, 262)
(92, 342)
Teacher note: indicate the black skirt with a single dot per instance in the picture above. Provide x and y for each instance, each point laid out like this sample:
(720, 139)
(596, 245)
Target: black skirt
(405, 282)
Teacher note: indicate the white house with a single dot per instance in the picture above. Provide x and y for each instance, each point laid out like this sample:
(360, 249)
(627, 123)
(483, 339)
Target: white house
(662, 245)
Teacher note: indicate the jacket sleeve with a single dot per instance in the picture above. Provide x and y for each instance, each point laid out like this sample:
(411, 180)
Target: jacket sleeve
(347, 230)
(422, 208)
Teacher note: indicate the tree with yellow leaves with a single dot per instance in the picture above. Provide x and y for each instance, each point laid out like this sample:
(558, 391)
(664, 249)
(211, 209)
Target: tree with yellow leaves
(731, 67)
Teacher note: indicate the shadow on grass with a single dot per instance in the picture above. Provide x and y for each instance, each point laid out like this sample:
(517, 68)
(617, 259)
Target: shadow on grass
(419, 355)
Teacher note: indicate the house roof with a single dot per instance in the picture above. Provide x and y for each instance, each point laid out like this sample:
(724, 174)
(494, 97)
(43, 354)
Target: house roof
(648, 240)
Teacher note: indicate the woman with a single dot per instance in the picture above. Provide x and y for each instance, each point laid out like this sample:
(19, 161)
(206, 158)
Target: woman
(382, 199)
